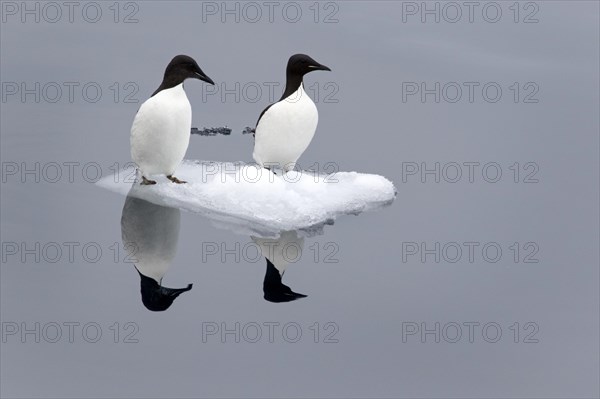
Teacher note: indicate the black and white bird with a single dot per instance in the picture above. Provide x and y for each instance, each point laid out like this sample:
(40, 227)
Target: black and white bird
(279, 253)
(160, 133)
(285, 129)
(150, 234)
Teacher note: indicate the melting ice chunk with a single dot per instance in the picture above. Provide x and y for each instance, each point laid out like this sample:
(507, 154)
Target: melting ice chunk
(258, 200)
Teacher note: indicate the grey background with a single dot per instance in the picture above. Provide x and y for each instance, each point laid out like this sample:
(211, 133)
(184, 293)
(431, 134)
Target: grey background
(371, 291)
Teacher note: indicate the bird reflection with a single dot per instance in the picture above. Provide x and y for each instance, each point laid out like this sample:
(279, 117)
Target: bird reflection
(279, 253)
(150, 234)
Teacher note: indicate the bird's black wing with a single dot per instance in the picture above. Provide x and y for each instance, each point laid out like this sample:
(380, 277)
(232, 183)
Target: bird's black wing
(262, 113)
(260, 116)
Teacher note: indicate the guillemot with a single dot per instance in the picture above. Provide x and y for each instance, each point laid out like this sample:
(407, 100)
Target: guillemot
(150, 234)
(285, 129)
(278, 253)
(160, 133)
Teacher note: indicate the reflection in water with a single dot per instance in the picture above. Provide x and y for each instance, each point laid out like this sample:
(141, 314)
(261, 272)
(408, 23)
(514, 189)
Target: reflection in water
(150, 233)
(279, 253)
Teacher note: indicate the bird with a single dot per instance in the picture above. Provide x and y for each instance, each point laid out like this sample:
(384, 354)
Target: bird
(285, 128)
(150, 234)
(278, 253)
(161, 129)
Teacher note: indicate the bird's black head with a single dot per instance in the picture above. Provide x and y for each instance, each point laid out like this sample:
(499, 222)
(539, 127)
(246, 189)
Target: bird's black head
(298, 66)
(301, 64)
(274, 290)
(180, 68)
(157, 298)
(183, 67)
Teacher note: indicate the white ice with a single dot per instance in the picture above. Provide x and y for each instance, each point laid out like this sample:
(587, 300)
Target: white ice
(253, 200)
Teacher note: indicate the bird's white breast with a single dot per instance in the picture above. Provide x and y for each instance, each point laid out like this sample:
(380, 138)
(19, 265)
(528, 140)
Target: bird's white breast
(283, 250)
(160, 133)
(150, 234)
(285, 130)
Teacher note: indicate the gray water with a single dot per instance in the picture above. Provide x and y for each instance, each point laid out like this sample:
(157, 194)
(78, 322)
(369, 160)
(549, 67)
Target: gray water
(397, 305)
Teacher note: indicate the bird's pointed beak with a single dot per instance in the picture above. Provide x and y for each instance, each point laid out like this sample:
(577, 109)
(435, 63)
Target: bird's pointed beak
(175, 292)
(297, 295)
(320, 67)
(202, 76)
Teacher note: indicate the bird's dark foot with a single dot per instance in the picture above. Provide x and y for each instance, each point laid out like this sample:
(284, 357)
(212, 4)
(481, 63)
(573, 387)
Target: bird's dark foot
(175, 180)
(146, 182)
(270, 170)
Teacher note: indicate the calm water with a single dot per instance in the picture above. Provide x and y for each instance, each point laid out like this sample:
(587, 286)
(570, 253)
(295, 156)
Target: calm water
(480, 280)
